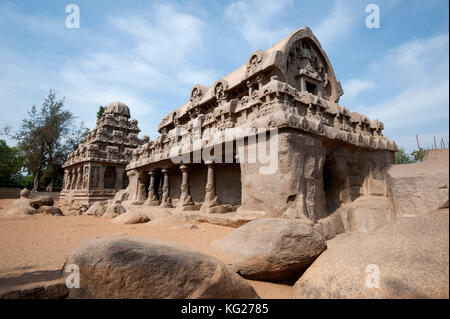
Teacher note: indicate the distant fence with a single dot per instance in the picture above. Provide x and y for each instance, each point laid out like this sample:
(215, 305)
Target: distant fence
(14, 192)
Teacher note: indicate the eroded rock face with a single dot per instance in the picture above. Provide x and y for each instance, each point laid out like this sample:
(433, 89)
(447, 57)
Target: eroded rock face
(272, 249)
(50, 210)
(131, 218)
(41, 201)
(96, 209)
(21, 207)
(420, 187)
(412, 255)
(25, 193)
(21, 211)
(119, 267)
(367, 213)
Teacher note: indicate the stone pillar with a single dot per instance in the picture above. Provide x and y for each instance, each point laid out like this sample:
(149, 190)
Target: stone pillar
(79, 184)
(152, 199)
(86, 177)
(101, 175)
(64, 184)
(141, 193)
(185, 202)
(73, 179)
(211, 199)
(165, 198)
(132, 185)
(119, 178)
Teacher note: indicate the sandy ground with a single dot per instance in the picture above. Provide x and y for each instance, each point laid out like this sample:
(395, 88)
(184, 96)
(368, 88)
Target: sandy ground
(35, 247)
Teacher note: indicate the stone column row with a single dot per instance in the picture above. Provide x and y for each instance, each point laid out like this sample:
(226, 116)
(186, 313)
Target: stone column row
(185, 202)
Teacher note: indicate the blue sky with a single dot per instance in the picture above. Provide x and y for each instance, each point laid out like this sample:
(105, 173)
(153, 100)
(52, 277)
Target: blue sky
(149, 54)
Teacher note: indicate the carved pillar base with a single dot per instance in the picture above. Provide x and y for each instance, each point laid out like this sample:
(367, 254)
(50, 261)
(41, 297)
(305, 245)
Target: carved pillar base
(141, 193)
(211, 204)
(166, 201)
(152, 199)
(185, 202)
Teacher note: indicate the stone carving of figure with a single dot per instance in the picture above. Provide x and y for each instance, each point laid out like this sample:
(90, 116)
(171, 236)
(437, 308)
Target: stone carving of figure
(79, 178)
(86, 177)
(220, 94)
(94, 176)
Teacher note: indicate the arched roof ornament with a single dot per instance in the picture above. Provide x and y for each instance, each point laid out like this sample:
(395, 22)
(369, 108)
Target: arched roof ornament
(303, 56)
(254, 62)
(197, 93)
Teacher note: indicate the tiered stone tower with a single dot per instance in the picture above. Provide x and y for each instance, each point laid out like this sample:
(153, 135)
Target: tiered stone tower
(95, 170)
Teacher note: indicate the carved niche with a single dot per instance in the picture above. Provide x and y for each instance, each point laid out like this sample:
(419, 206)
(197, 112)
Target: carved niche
(197, 94)
(307, 66)
(220, 88)
(254, 62)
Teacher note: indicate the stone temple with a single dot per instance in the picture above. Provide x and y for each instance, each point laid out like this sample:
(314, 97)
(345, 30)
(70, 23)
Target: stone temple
(325, 155)
(95, 171)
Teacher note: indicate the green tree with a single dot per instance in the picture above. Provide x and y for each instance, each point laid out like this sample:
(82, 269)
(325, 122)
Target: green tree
(9, 164)
(45, 138)
(101, 109)
(418, 155)
(401, 157)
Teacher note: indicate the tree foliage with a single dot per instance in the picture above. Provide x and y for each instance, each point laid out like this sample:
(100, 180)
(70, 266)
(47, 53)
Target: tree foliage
(402, 157)
(9, 164)
(45, 138)
(101, 110)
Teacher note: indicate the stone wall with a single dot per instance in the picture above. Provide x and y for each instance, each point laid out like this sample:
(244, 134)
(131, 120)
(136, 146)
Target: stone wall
(9, 192)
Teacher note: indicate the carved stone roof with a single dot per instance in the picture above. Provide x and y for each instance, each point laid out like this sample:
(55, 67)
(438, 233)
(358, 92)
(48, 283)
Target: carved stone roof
(280, 59)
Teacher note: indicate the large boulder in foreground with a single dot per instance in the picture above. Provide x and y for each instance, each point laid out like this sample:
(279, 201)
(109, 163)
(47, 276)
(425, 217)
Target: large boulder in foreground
(272, 249)
(412, 256)
(120, 267)
(420, 187)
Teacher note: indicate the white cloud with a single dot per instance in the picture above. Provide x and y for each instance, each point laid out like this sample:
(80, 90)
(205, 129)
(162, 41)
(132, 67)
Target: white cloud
(354, 87)
(413, 88)
(337, 24)
(255, 21)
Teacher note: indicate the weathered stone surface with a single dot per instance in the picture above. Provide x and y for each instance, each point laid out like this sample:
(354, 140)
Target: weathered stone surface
(21, 207)
(367, 213)
(412, 255)
(50, 210)
(51, 290)
(41, 201)
(21, 211)
(131, 218)
(119, 267)
(420, 187)
(115, 207)
(96, 209)
(272, 249)
(330, 226)
(25, 193)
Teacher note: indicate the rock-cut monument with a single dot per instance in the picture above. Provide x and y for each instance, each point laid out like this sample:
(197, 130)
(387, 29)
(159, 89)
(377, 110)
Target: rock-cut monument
(326, 155)
(95, 171)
